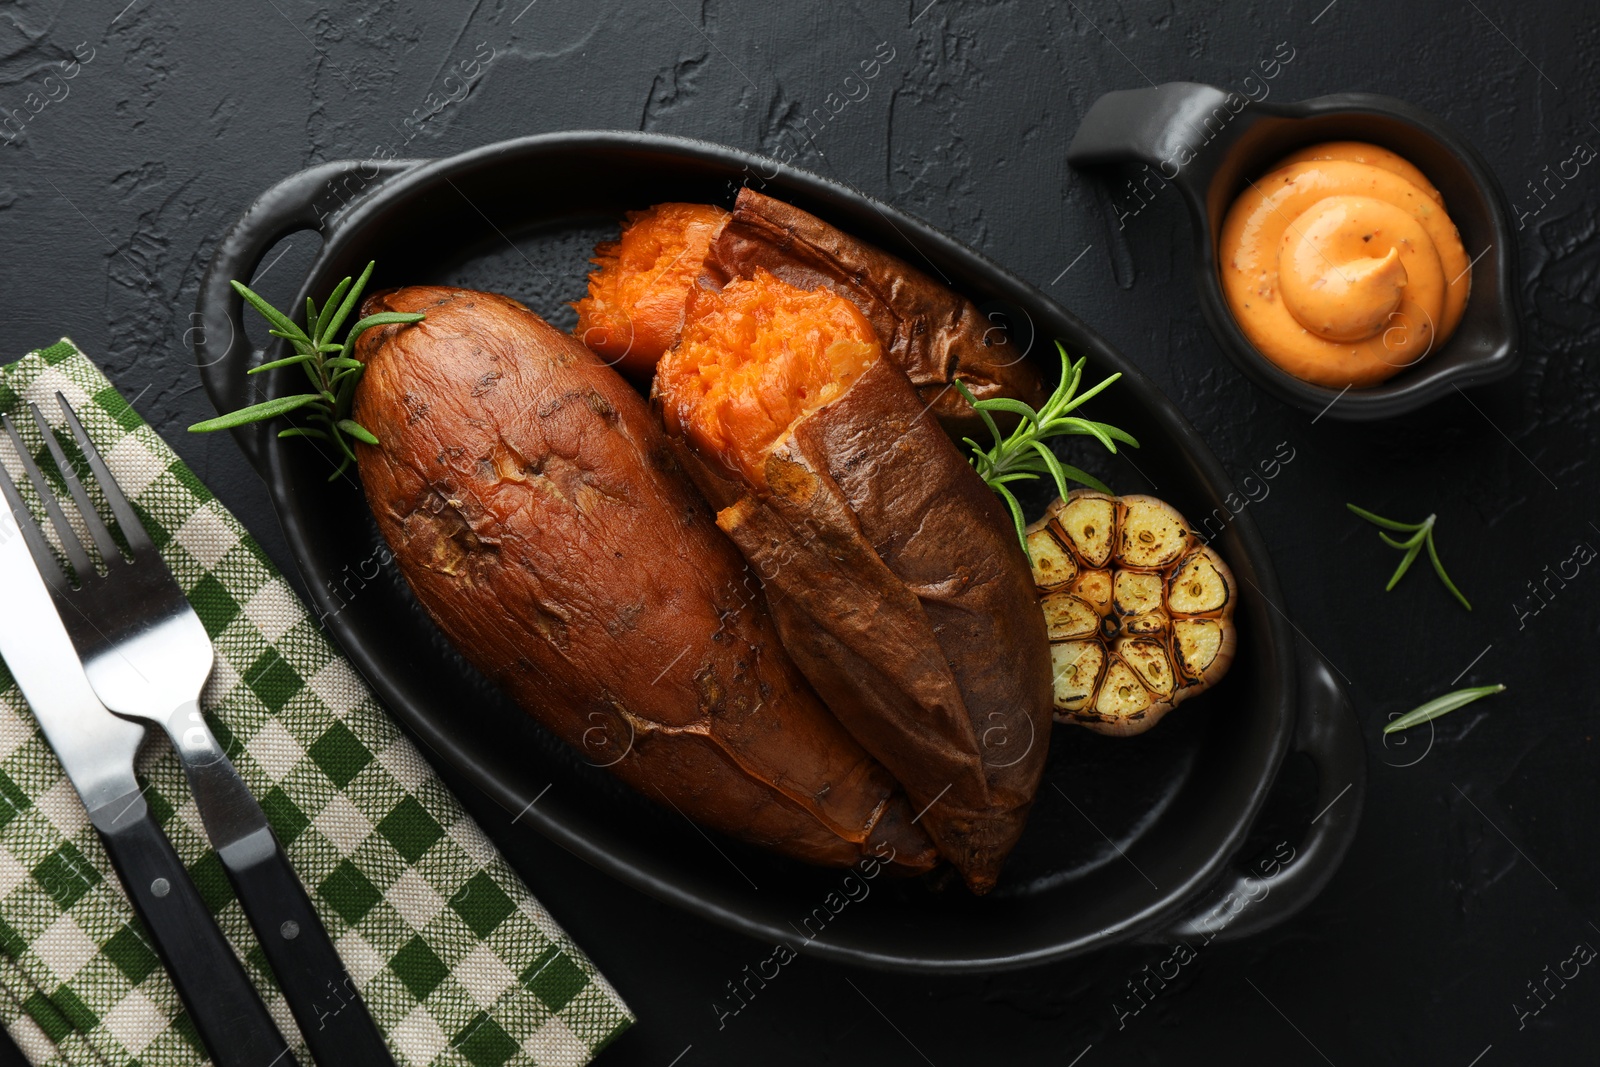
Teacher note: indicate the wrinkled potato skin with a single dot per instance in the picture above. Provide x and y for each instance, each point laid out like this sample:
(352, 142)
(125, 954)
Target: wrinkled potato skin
(532, 503)
(931, 333)
(901, 592)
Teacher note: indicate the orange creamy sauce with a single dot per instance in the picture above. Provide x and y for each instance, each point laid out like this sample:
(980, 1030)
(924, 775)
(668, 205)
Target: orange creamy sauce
(1342, 266)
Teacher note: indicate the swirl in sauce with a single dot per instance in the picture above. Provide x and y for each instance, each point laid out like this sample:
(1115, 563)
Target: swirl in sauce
(1342, 266)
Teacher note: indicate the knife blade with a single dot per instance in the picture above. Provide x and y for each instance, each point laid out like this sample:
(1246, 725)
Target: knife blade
(97, 749)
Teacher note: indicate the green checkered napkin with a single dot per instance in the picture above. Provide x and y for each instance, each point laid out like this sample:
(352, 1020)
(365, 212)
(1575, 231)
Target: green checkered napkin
(457, 961)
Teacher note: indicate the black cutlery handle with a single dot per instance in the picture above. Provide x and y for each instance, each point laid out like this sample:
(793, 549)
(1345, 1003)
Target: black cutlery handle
(226, 1009)
(333, 1018)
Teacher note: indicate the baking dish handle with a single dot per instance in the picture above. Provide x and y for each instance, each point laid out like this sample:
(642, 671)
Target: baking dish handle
(302, 201)
(1248, 902)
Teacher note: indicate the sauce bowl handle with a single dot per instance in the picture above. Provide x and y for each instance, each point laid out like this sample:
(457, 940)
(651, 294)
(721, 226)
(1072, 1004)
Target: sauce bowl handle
(1181, 130)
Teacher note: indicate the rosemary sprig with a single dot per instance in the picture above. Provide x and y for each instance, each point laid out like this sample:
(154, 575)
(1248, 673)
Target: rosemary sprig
(1023, 454)
(1441, 706)
(1421, 537)
(333, 374)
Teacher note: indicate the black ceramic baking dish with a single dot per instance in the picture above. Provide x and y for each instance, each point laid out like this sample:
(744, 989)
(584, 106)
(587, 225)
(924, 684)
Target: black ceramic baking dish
(1209, 143)
(1129, 838)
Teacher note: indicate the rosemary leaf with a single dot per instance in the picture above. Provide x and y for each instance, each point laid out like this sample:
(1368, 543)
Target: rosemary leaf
(1401, 545)
(1433, 554)
(382, 318)
(1119, 435)
(1421, 537)
(349, 303)
(344, 446)
(1405, 565)
(1094, 391)
(1083, 477)
(983, 413)
(1005, 403)
(1387, 524)
(1016, 514)
(304, 357)
(1084, 426)
(1441, 706)
(279, 320)
(325, 324)
(332, 372)
(1054, 465)
(1024, 453)
(358, 431)
(267, 409)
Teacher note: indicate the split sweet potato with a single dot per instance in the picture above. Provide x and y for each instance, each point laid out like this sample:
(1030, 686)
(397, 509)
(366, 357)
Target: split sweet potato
(929, 331)
(533, 504)
(634, 308)
(892, 571)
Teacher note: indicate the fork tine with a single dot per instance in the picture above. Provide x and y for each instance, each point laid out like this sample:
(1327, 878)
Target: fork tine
(28, 526)
(76, 554)
(127, 518)
(38, 547)
(91, 518)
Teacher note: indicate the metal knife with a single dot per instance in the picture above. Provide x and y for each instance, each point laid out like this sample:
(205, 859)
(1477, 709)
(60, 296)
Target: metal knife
(96, 748)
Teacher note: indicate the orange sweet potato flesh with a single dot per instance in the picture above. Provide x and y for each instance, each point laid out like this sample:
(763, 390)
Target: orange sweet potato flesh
(754, 358)
(533, 504)
(930, 332)
(634, 307)
(895, 578)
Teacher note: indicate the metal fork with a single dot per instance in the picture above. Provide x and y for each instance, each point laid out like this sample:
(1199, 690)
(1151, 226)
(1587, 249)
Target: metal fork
(147, 656)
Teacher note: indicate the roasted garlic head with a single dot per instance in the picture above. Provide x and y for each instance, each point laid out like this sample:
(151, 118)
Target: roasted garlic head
(1139, 611)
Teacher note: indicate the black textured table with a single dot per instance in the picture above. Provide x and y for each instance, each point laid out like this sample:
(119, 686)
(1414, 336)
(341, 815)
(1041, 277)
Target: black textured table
(1457, 931)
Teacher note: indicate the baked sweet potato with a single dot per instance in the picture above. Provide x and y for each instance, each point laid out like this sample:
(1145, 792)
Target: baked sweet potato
(634, 307)
(532, 503)
(893, 574)
(930, 332)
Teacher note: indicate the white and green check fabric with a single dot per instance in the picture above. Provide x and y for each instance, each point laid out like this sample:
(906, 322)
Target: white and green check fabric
(458, 962)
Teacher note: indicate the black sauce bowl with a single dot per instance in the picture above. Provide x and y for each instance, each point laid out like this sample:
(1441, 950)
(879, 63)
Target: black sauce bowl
(1209, 143)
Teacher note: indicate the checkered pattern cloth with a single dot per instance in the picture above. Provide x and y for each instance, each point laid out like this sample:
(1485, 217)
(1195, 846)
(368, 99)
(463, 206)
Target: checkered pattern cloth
(457, 961)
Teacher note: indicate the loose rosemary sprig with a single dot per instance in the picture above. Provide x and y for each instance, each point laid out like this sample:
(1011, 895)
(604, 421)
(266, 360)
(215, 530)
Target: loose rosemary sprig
(1024, 454)
(1421, 537)
(1441, 706)
(333, 374)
